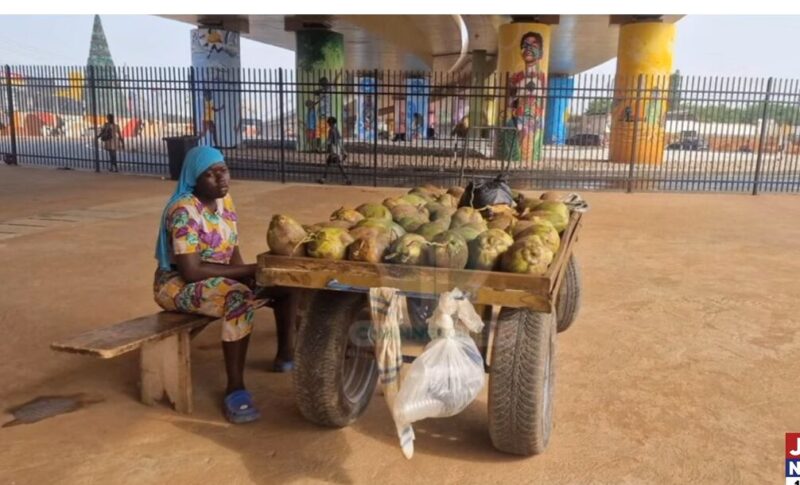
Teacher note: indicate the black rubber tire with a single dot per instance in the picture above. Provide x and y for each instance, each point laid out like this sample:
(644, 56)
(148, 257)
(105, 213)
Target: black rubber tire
(521, 381)
(568, 302)
(333, 383)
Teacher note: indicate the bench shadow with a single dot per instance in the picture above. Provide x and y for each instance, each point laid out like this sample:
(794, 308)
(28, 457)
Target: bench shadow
(281, 447)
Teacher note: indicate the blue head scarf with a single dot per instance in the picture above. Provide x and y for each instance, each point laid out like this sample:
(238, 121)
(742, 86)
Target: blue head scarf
(197, 161)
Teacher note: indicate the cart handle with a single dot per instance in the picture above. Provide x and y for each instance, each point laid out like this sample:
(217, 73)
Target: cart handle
(334, 284)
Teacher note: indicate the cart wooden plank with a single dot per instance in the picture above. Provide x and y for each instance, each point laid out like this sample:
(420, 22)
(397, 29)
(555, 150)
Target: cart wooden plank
(569, 239)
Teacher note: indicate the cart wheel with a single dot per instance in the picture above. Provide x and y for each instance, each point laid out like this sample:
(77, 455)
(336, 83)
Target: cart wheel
(521, 381)
(569, 296)
(335, 372)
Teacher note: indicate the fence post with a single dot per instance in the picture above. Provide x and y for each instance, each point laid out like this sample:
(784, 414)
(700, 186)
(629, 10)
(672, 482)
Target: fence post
(375, 132)
(193, 92)
(635, 138)
(762, 135)
(93, 96)
(282, 127)
(12, 124)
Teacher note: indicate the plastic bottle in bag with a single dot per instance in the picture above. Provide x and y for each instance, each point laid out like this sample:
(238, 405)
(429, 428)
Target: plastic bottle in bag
(449, 373)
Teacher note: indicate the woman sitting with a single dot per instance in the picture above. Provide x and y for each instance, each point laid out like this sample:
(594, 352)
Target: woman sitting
(200, 270)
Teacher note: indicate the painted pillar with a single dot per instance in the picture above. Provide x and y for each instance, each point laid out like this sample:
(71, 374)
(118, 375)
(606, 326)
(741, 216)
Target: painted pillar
(638, 114)
(215, 57)
(523, 56)
(559, 95)
(417, 96)
(478, 102)
(319, 59)
(366, 125)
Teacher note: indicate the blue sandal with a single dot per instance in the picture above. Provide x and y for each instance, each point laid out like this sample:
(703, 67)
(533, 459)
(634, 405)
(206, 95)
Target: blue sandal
(239, 407)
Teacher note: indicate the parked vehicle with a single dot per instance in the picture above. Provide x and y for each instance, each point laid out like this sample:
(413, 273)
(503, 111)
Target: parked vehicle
(694, 144)
(586, 140)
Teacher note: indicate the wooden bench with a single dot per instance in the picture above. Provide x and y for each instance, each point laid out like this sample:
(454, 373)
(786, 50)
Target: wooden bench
(165, 361)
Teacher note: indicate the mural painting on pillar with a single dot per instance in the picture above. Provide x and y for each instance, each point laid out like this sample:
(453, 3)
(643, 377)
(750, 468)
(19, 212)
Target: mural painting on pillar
(418, 92)
(526, 91)
(215, 57)
(639, 110)
(319, 59)
(366, 108)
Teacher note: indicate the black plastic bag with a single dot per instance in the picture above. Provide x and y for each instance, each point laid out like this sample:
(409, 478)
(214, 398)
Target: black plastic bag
(483, 194)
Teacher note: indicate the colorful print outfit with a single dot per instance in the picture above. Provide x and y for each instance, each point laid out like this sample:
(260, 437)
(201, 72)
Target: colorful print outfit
(212, 233)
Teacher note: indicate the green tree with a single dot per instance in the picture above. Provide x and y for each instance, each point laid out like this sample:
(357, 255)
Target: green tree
(599, 106)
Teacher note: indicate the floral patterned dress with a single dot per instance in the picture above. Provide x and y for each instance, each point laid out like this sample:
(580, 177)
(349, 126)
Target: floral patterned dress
(197, 229)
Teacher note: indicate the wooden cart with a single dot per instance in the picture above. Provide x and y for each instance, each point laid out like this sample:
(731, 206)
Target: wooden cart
(335, 375)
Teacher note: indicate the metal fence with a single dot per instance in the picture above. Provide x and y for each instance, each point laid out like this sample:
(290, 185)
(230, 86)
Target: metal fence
(674, 133)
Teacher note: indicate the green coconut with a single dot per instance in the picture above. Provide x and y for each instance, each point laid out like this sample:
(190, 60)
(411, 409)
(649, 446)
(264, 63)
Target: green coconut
(285, 236)
(371, 210)
(527, 256)
(486, 249)
(529, 221)
(431, 229)
(439, 211)
(470, 231)
(546, 232)
(550, 196)
(350, 216)
(416, 198)
(329, 243)
(409, 249)
(555, 212)
(464, 216)
(456, 192)
(526, 205)
(505, 222)
(370, 248)
(448, 250)
(392, 202)
(405, 210)
(321, 225)
(448, 200)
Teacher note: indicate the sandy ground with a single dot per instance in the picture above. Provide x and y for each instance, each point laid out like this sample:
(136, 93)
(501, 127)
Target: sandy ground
(681, 367)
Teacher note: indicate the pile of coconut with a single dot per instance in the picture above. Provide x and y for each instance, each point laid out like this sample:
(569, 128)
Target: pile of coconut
(432, 227)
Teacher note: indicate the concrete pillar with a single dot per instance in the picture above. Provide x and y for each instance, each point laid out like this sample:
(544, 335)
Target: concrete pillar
(559, 92)
(477, 101)
(417, 97)
(365, 118)
(638, 115)
(215, 57)
(523, 57)
(319, 59)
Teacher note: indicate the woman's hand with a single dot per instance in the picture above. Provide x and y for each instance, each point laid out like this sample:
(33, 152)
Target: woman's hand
(192, 269)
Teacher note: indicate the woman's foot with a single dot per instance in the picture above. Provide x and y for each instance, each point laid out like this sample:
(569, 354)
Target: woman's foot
(282, 365)
(239, 407)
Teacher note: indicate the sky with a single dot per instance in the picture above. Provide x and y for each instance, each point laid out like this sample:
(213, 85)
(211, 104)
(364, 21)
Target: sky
(751, 46)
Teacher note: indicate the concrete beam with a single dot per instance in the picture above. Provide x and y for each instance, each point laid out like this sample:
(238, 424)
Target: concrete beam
(231, 23)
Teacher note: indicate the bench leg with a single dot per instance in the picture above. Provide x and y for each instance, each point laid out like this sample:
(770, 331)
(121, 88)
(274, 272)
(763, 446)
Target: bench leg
(166, 369)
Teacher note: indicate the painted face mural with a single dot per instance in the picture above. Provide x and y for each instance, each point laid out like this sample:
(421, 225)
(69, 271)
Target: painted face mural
(531, 46)
(525, 105)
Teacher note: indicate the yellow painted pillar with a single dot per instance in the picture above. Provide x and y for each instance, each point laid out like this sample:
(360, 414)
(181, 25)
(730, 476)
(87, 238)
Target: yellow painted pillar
(523, 55)
(638, 115)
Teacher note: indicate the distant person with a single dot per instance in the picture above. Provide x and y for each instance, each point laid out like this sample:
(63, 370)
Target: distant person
(460, 132)
(210, 111)
(336, 152)
(111, 136)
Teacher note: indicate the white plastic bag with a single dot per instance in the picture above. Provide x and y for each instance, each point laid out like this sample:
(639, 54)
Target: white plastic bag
(449, 373)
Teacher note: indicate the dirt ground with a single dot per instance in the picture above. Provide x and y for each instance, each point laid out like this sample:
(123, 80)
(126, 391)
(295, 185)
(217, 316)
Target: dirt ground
(680, 369)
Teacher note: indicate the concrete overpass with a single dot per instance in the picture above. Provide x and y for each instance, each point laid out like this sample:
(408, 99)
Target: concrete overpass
(537, 55)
